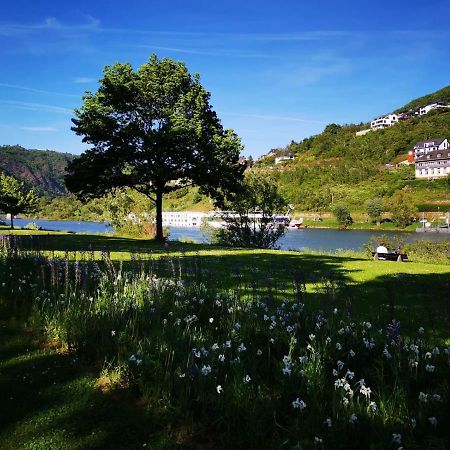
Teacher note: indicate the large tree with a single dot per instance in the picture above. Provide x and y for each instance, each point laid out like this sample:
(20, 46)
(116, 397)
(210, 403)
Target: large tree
(153, 130)
(15, 198)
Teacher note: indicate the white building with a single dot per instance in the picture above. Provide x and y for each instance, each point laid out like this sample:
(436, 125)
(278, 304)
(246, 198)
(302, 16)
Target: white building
(183, 219)
(432, 158)
(384, 121)
(424, 147)
(283, 157)
(438, 105)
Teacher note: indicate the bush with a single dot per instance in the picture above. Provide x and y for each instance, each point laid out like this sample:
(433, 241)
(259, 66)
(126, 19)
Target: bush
(403, 209)
(429, 250)
(374, 208)
(342, 214)
(32, 226)
(251, 222)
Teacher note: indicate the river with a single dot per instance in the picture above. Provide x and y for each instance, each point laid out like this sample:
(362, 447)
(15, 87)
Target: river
(314, 239)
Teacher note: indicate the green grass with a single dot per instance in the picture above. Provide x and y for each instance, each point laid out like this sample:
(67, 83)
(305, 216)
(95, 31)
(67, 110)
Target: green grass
(53, 402)
(416, 293)
(50, 401)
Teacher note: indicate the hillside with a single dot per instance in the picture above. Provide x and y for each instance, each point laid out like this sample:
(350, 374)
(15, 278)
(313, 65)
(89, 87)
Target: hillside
(440, 95)
(40, 169)
(336, 165)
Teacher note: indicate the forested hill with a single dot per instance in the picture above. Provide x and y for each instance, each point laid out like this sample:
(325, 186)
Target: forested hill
(41, 169)
(337, 165)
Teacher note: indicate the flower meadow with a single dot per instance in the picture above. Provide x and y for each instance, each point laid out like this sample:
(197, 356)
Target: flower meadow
(246, 367)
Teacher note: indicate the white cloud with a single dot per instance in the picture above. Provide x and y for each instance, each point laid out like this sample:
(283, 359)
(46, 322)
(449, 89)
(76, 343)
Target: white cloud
(49, 24)
(37, 91)
(37, 107)
(83, 80)
(39, 129)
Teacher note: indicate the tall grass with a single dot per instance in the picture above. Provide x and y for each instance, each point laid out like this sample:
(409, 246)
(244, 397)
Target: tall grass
(254, 370)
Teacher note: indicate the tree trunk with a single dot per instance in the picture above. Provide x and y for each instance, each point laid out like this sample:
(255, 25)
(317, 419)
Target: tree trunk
(11, 218)
(159, 228)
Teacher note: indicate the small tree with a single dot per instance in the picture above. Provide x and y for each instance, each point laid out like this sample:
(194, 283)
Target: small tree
(402, 208)
(14, 198)
(250, 222)
(342, 214)
(375, 208)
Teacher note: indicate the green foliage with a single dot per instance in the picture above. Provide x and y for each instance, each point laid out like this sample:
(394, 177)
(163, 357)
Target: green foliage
(342, 214)
(429, 250)
(14, 198)
(402, 207)
(42, 170)
(153, 130)
(374, 208)
(32, 226)
(251, 220)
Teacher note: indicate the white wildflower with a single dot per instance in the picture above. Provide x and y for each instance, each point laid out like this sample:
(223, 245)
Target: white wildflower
(299, 404)
(206, 370)
(350, 375)
(423, 397)
(219, 389)
(242, 348)
(433, 421)
(366, 391)
(353, 418)
(247, 379)
(396, 438)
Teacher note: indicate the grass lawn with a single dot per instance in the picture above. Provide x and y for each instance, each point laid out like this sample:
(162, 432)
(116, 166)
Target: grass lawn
(415, 293)
(52, 401)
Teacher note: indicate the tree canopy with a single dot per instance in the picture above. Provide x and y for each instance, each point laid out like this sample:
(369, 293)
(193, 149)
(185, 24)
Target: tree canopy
(153, 130)
(14, 198)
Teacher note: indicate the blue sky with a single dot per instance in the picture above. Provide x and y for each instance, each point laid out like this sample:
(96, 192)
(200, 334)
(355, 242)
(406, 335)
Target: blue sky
(277, 71)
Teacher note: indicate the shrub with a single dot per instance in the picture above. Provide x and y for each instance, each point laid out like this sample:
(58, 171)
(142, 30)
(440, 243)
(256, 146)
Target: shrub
(342, 214)
(402, 207)
(374, 208)
(251, 222)
(32, 226)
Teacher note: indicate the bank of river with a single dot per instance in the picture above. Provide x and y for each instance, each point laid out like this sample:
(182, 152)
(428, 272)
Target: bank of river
(325, 239)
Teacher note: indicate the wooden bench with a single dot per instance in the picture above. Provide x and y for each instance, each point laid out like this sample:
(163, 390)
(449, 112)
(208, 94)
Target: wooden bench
(399, 257)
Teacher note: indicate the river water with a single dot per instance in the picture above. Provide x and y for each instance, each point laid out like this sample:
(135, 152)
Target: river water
(314, 239)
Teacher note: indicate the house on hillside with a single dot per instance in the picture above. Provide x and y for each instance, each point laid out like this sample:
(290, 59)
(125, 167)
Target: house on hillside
(270, 153)
(432, 158)
(430, 107)
(384, 121)
(284, 156)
